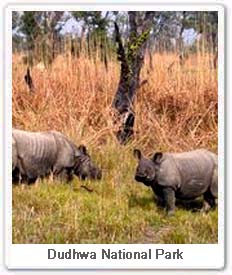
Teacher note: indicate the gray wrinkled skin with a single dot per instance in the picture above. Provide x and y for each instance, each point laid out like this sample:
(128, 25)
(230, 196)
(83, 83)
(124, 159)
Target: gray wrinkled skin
(37, 154)
(14, 154)
(185, 175)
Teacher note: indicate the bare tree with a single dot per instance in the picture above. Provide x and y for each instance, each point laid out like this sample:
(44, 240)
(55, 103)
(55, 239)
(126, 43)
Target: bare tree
(131, 55)
(29, 81)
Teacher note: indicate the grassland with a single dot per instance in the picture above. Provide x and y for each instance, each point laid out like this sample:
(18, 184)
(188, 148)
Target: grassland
(175, 111)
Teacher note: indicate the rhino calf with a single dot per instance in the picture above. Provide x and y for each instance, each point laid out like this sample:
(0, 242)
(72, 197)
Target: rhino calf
(37, 154)
(185, 175)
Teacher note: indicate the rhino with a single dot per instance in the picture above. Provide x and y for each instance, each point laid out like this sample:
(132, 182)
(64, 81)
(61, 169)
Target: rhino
(183, 176)
(38, 154)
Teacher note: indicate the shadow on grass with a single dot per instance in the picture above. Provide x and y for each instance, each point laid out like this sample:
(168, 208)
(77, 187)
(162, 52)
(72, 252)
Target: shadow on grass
(135, 201)
(191, 205)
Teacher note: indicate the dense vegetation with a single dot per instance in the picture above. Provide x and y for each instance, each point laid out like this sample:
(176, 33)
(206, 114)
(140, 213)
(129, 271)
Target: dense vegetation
(75, 79)
(176, 111)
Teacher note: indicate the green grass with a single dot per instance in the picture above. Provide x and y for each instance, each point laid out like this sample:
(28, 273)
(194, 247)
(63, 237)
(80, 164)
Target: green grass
(119, 210)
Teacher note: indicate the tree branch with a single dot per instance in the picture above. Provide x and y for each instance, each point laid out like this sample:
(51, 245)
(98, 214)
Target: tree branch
(121, 53)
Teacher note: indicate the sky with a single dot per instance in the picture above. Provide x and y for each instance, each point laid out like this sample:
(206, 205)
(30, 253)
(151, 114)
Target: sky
(74, 27)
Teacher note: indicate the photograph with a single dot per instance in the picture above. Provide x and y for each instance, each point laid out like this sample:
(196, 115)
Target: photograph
(115, 127)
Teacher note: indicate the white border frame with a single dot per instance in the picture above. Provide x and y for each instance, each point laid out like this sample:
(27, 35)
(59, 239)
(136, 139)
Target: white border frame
(206, 256)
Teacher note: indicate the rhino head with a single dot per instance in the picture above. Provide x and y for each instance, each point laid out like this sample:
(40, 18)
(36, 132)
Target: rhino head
(84, 166)
(146, 168)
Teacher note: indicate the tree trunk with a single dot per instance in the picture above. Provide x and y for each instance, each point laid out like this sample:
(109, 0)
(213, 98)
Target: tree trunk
(131, 59)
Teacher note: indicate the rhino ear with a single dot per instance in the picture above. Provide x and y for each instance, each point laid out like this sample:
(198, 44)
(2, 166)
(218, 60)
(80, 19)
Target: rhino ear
(137, 154)
(157, 157)
(82, 149)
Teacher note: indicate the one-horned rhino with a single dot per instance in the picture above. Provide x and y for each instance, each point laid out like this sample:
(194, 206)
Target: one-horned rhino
(186, 175)
(37, 154)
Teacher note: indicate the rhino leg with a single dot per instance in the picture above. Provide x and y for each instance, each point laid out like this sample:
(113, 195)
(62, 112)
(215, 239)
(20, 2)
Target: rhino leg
(160, 202)
(16, 176)
(169, 199)
(159, 194)
(210, 196)
(65, 175)
(27, 180)
(209, 200)
(31, 180)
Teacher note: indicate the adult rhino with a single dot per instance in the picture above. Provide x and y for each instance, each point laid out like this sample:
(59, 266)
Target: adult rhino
(37, 154)
(185, 175)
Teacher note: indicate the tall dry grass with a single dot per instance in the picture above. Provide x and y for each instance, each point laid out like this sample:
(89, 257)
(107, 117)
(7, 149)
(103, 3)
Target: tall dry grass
(176, 110)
